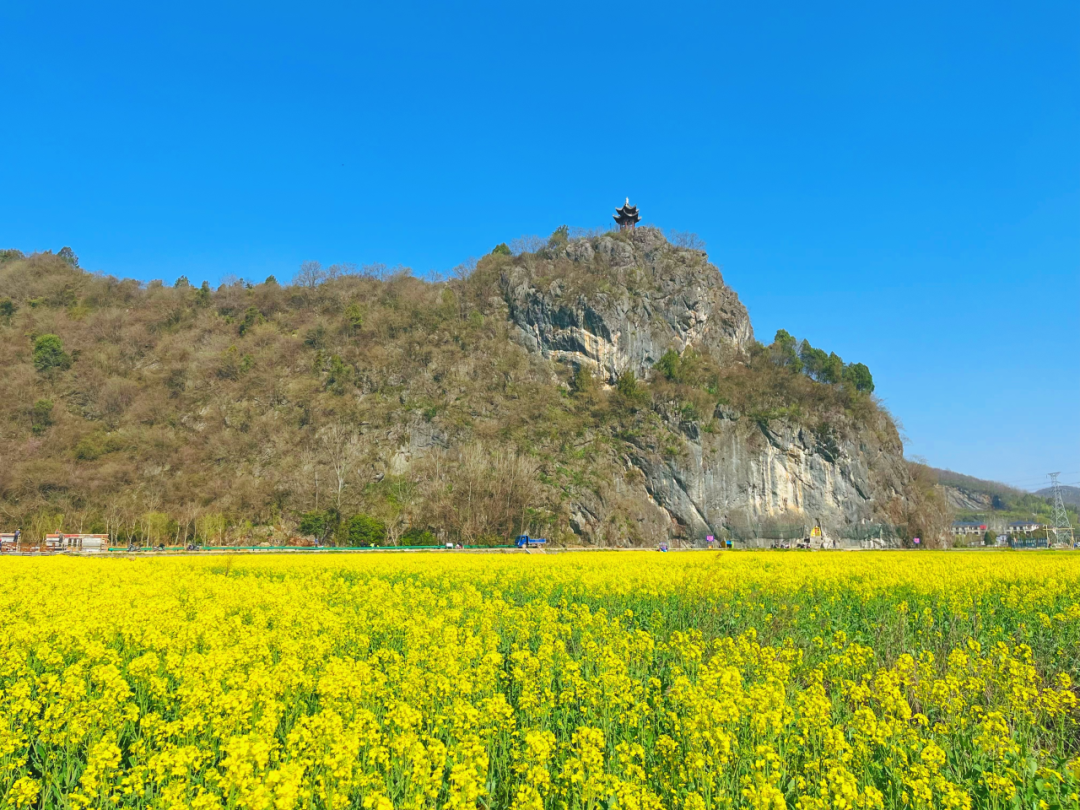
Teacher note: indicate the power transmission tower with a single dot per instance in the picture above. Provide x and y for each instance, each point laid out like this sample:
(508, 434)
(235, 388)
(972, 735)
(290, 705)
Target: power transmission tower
(1060, 525)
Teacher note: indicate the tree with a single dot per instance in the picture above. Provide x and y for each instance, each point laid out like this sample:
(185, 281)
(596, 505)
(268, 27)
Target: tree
(319, 524)
(363, 530)
(7, 309)
(414, 536)
(202, 298)
(858, 375)
(339, 375)
(354, 318)
(68, 255)
(309, 275)
(784, 353)
(583, 383)
(989, 538)
(182, 283)
(270, 281)
(41, 416)
(832, 370)
(813, 360)
(49, 354)
(559, 238)
(686, 239)
(341, 445)
(670, 365)
(526, 244)
(501, 249)
(628, 387)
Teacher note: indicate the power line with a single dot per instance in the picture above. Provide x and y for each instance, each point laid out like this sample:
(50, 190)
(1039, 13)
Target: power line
(1039, 479)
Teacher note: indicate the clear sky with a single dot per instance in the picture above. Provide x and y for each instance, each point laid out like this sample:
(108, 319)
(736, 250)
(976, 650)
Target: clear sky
(899, 183)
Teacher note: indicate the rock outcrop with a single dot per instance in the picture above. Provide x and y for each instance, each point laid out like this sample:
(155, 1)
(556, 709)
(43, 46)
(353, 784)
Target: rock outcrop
(759, 479)
(617, 304)
(963, 499)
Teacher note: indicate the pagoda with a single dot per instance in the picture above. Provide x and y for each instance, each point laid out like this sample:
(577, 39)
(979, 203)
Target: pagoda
(627, 216)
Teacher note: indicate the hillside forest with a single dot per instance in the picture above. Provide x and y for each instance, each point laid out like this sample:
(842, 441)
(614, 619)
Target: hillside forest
(353, 406)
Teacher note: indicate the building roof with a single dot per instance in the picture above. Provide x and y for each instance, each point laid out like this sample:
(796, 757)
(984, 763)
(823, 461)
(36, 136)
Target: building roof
(628, 213)
(959, 523)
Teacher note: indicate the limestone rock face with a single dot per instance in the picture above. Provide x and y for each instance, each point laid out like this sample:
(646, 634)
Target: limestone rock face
(616, 304)
(960, 498)
(754, 478)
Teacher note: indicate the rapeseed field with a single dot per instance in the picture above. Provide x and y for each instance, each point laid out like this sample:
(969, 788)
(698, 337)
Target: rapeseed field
(620, 680)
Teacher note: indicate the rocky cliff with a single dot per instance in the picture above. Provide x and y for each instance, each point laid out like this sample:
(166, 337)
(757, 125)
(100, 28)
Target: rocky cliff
(620, 302)
(617, 304)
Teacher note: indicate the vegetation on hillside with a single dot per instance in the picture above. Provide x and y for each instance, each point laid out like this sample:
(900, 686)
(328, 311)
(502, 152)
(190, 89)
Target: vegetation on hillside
(372, 405)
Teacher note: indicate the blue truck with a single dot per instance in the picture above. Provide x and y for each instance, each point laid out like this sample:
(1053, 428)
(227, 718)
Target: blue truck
(524, 541)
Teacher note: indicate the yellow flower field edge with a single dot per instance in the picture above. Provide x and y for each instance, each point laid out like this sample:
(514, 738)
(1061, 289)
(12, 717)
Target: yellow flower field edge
(629, 680)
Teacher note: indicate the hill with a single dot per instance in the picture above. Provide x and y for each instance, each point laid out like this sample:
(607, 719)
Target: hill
(1071, 495)
(603, 390)
(998, 503)
(967, 493)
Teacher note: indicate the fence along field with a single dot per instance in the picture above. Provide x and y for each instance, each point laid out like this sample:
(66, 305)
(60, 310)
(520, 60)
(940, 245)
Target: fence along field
(632, 680)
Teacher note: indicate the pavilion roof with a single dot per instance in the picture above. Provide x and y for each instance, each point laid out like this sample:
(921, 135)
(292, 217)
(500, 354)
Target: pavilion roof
(627, 212)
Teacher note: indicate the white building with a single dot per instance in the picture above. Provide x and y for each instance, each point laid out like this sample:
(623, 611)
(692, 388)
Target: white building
(93, 543)
(1024, 526)
(960, 528)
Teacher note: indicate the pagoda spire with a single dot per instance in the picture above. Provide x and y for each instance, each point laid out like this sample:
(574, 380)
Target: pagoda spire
(627, 216)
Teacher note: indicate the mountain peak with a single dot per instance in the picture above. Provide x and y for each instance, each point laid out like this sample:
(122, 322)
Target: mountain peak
(619, 302)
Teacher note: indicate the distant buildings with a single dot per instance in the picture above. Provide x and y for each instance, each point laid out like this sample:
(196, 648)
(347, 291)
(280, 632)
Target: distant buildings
(970, 527)
(960, 528)
(1024, 526)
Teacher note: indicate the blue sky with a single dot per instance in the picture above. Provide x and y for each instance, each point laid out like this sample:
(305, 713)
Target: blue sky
(899, 184)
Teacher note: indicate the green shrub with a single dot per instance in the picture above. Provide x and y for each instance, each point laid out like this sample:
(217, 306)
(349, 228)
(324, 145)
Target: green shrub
(49, 354)
(252, 317)
(41, 416)
(632, 392)
(339, 376)
(97, 445)
(418, 537)
(319, 524)
(559, 238)
(363, 530)
(354, 318)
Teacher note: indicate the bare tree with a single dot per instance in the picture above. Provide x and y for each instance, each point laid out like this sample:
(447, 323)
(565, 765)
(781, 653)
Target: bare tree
(309, 275)
(588, 233)
(340, 270)
(686, 239)
(375, 270)
(465, 269)
(341, 445)
(529, 243)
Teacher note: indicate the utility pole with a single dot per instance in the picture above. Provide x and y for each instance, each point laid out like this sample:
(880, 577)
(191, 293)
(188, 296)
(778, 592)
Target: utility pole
(1061, 527)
